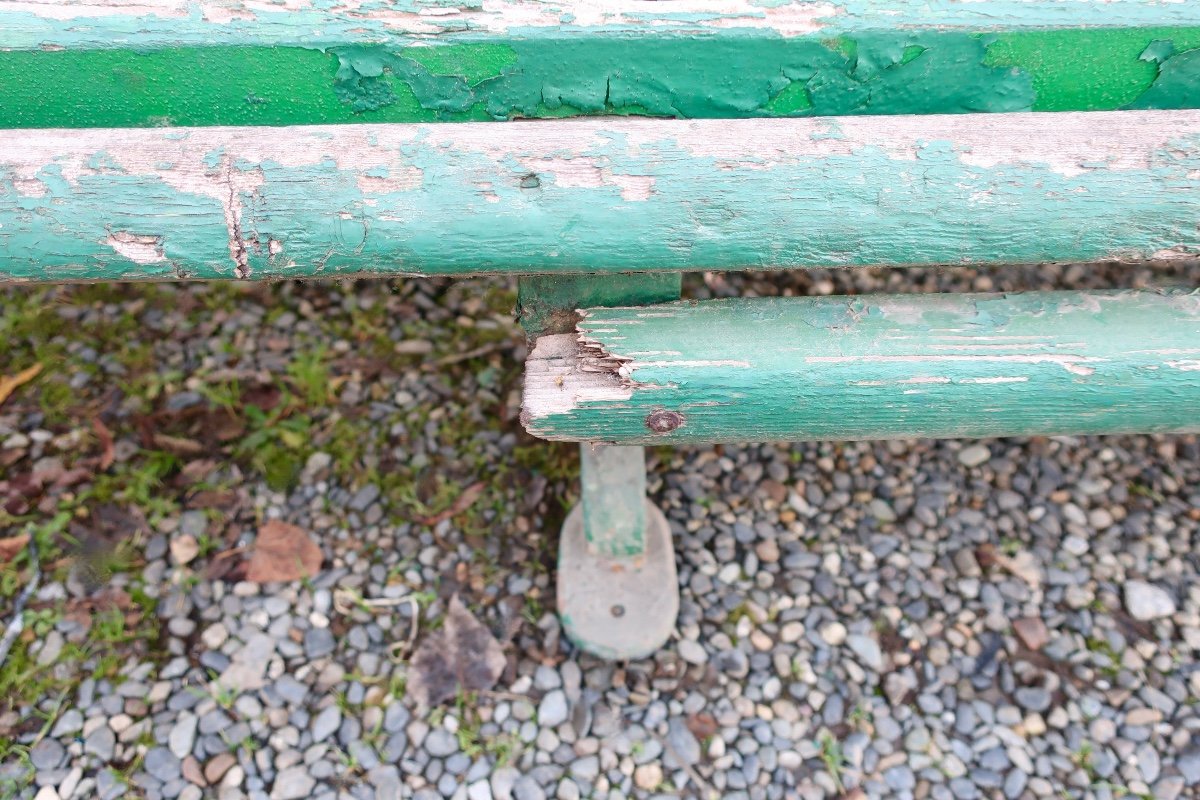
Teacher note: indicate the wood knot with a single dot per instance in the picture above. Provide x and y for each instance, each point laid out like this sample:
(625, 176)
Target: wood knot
(662, 421)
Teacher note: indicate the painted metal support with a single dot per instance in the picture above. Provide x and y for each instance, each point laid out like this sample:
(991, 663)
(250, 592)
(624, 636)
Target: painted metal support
(613, 480)
(618, 595)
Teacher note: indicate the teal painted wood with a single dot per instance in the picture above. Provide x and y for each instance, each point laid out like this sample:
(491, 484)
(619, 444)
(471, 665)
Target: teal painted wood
(612, 479)
(112, 24)
(547, 303)
(576, 196)
(872, 367)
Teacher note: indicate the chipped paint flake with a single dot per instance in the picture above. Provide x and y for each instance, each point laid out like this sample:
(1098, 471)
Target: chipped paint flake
(138, 248)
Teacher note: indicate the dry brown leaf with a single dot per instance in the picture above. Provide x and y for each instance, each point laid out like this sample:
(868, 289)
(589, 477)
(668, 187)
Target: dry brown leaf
(108, 452)
(283, 552)
(702, 725)
(462, 653)
(11, 546)
(184, 548)
(195, 471)
(8, 385)
(460, 504)
(178, 445)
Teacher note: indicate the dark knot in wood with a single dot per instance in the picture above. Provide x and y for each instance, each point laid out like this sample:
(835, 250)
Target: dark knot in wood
(662, 421)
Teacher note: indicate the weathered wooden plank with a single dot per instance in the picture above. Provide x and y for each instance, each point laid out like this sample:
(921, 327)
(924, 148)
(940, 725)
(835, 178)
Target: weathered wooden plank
(547, 303)
(117, 63)
(872, 367)
(597, 196)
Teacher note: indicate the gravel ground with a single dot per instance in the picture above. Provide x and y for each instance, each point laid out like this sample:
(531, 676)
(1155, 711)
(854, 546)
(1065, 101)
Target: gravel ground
(1013, 618)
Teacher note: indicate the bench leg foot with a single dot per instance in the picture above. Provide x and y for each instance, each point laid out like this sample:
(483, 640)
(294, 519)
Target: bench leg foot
(618, 595)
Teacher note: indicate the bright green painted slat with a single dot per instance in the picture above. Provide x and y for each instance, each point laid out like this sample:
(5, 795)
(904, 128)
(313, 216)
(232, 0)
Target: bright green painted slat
(872, 367)
(597, 196)
(214, 62)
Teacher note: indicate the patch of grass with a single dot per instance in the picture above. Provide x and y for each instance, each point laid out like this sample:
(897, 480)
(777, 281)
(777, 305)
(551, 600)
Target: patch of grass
(276, 445)
(226, 395)
(137, 482)
(833, 759)
(860, 716)
(309, 376)
(472, 742)
(1100, 645)
(1142, 490)
(555, 461)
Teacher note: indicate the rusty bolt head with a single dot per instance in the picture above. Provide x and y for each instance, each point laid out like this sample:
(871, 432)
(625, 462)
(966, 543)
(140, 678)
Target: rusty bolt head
(663, 421)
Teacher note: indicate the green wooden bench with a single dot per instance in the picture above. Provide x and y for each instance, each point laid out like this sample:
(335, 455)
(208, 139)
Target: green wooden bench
(251, 140)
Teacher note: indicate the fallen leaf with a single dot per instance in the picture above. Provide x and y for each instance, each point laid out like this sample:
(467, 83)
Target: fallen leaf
(8, 385)
(108, 452)
(178, 445)
(461, 503)
(184, 548)
(12, 546)
(462, 654)
(195, 471)
(1032, 632)
(701, 725)
(222, 499)
(1023, 565)
(283, 552)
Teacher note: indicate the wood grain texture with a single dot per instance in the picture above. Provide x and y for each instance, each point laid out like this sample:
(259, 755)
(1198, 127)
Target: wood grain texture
(872, 367)
(154, 63)
(576, 196)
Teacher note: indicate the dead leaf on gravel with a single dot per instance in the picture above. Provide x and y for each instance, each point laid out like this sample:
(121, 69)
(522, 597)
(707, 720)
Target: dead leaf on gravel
(178, 445)
(12, 546)
(1023, 565)
(461, 654)
(283, 552)
(461, 503)
(701, 725)
(108, 452)
(8, 385)
(196, 471)
(184, 548)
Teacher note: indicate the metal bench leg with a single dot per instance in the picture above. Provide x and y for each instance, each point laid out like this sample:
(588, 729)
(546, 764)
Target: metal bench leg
(618, 596)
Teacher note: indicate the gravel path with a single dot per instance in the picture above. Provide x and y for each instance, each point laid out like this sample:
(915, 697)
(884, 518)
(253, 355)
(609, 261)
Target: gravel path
(975, 619)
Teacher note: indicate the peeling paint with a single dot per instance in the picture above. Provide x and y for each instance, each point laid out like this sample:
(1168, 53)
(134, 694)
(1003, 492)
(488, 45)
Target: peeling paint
(395, 199)
(138, 248)
(263, 64)
(773, 369)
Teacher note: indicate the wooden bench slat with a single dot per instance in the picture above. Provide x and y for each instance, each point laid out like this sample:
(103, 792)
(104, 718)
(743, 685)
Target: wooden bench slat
(871, 367)
(597, 195)
(122, 63)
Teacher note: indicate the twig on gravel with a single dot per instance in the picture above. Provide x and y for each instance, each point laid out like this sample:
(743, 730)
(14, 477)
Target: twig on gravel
(345, 600)
(701, 784)
(455, 358)
(461, 503)
(17, 623)
(397, 650)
